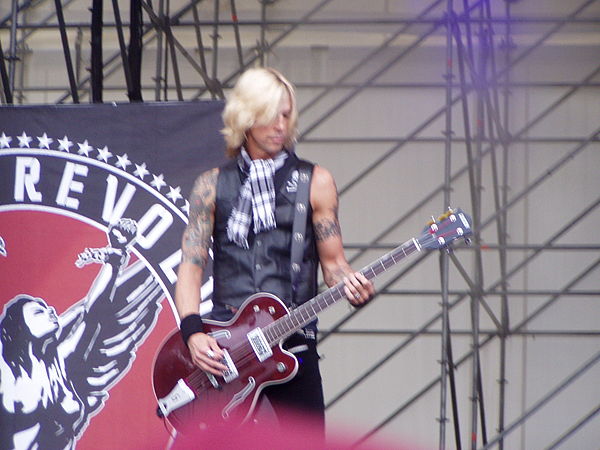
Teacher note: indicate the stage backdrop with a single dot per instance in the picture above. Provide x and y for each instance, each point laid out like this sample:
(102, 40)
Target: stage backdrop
(93, 202)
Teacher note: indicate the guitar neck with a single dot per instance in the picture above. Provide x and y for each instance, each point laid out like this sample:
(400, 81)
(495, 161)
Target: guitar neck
(307, 312)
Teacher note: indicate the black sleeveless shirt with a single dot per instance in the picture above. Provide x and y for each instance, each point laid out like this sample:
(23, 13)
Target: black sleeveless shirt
(265, 266)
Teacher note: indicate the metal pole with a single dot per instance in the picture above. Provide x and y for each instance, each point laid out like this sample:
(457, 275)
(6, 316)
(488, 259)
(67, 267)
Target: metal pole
(115, 56)
(96, 51)
(6, 91)
(262, 47)
(282, 36)
(215, 48)
(171, 43)
(465, 357)
(134, 59)
(122, 46)
(236, 31)
(159, 51)
(213, 85)
(199, 42)
(503, 234)
(444, 265)
(66, 50)
(13, 46)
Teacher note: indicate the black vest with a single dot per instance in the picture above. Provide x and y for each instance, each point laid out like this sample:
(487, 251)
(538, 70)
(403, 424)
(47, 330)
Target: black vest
(265, 266)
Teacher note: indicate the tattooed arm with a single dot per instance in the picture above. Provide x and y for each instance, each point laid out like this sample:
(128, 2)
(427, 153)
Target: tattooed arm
(195, 245)
(335, 267)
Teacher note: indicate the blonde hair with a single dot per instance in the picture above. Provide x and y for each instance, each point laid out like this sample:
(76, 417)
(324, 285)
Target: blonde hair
(255, 100)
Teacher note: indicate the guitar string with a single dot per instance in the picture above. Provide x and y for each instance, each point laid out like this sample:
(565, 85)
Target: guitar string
(242, 353)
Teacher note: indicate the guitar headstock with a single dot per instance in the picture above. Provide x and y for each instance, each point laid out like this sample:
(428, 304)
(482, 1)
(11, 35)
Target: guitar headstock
(452, 225)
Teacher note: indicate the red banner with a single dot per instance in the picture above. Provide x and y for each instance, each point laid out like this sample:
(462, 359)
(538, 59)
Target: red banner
(92, 208)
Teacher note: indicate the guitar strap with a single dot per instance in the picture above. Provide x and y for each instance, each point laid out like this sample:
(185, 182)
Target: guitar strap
(299, 226)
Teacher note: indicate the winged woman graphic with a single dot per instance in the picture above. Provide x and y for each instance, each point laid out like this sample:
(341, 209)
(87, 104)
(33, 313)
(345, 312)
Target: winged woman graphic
(56, 371)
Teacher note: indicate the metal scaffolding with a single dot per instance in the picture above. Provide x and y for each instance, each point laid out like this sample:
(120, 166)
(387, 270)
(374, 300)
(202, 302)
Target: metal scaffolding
(476, 87)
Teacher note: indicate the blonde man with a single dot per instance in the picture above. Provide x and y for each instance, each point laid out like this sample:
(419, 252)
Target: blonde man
(247, 207)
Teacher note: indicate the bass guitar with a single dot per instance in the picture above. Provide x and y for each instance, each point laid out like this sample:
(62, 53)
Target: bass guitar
(252, 342)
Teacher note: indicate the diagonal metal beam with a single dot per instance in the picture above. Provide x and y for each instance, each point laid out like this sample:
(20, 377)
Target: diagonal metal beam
(123, 48)
(542, 402)
(361, 63)
(115, 56)
(377, 365)
(464, 169)
(232, 76)
(66, 50)
(442, 110)
(174, 43)
(435, 382)
(556, 444)
(460, 172)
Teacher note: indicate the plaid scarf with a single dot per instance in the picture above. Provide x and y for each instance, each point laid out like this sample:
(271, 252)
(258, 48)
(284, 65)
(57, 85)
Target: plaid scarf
(258, 192)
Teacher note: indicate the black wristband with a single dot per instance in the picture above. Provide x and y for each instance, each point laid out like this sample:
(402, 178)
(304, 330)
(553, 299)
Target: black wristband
(189, 325)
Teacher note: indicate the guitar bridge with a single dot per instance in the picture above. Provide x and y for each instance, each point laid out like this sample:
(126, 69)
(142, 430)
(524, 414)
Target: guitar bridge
(231, 373)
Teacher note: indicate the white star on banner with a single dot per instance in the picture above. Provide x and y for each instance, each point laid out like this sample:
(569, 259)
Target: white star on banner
(65, 144)
(85, 148)
(45, 141)
(5, 141)
(24, 140)
(158, 181)
(141, 171)
(186, 208)
(123, 161)
(174, 193)
(103, 154)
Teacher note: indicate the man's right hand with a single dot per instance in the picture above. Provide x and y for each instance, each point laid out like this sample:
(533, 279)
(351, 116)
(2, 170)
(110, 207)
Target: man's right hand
(206, 353)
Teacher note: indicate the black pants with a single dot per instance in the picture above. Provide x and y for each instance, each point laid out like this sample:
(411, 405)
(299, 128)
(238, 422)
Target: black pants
(303, 394)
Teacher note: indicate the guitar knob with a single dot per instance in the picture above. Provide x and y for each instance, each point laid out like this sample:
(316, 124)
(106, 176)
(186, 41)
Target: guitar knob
(281, 367)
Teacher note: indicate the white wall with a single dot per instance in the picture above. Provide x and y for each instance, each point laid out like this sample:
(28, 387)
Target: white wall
(535, 364)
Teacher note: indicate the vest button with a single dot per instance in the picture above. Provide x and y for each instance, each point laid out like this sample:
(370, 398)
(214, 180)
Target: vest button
(300, 207)
(298, 237)
(258, 267)
(296, 267)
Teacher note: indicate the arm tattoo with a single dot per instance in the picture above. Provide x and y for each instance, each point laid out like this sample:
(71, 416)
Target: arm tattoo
(327, 228)
(196, 237)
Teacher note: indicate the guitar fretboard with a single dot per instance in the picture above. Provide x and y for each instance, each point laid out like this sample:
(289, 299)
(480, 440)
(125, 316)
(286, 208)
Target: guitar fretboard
(307, 312)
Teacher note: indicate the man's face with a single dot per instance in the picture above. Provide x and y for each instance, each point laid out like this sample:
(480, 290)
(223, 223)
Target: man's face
(266, 141)
(40, 319)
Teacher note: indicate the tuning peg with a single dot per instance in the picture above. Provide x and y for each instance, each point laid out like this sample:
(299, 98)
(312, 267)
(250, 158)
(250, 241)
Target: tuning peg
(467, 241)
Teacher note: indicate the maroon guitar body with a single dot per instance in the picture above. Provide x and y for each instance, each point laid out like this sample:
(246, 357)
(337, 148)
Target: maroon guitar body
(252, 342)
(226, 402)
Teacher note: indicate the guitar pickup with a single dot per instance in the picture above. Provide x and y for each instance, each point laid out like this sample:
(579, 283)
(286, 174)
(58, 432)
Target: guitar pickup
(259, 344)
